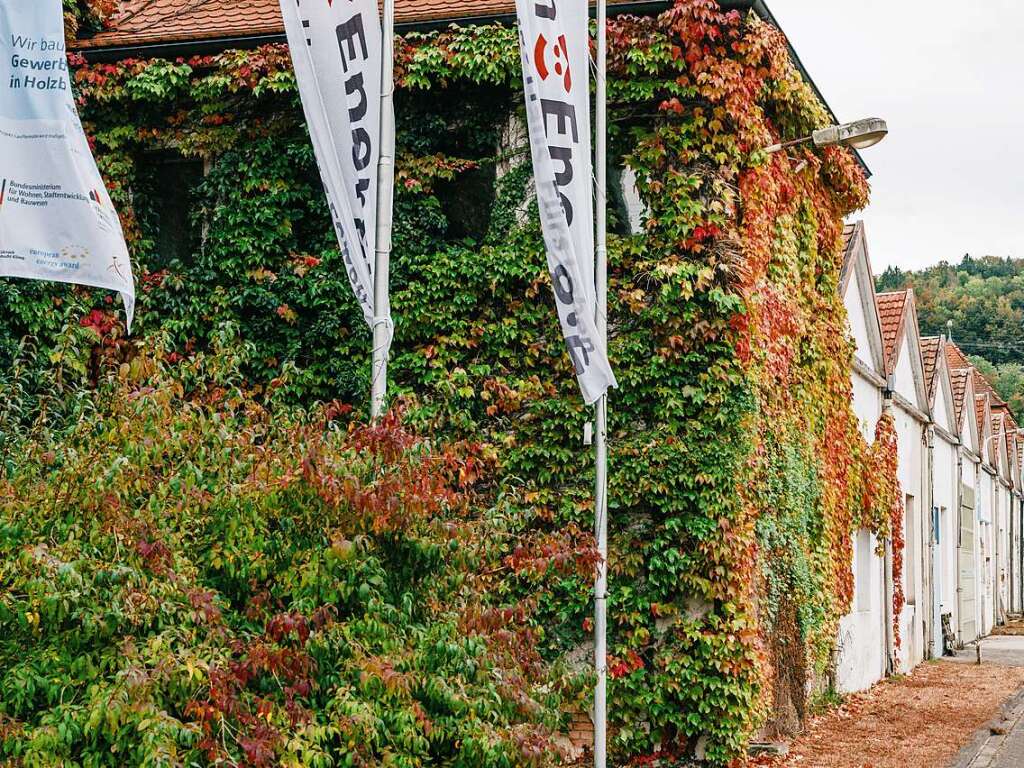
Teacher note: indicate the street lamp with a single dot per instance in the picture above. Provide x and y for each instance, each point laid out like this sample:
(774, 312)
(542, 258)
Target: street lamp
(859, 135)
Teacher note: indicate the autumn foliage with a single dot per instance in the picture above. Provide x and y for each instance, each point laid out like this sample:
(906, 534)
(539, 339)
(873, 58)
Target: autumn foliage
(192, 576)
(738, 470)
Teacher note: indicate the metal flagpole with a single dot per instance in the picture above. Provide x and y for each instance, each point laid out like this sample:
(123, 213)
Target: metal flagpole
(601, 416)
(385, 215)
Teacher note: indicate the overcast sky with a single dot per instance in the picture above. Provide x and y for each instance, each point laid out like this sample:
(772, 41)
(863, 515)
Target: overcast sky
(948, 76)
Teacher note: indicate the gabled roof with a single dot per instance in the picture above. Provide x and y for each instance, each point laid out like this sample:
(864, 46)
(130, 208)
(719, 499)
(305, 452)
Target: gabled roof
(961, 372)
(981, 410)
(940, 385)
(857, 261)
(897, 313)
(849, 230)
(956, 358)
(971, 432)
(960, 379)
(1011, 450)
(983, 413)
(892, 313)
(930, 348)
(148, 22)
(1000, 443)
(982, 385)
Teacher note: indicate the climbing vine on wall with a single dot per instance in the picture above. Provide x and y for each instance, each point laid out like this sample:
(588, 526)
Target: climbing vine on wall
(738, 469)
(884, 509)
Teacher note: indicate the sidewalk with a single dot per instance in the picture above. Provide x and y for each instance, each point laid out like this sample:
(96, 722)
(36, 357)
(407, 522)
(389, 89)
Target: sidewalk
(1000, 744)
(922, 720)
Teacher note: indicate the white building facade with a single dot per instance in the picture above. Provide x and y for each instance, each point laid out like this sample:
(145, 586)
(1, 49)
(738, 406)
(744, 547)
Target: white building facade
(960, 456)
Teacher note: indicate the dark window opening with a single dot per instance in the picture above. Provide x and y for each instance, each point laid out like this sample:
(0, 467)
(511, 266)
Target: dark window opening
(170, 188)
(468, 202)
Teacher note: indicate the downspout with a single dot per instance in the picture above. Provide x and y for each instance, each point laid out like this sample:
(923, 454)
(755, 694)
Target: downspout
(929, 566)
(1010, 558)
(1020, 550)
(1010, 586)
(997, 597)
(959, 537)
(890, 639)
(980, 567)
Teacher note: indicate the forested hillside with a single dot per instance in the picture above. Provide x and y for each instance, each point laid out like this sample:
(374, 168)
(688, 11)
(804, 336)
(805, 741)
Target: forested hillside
(984, 299)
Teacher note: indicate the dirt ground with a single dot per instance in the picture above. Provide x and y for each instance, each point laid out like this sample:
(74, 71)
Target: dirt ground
(920, 721)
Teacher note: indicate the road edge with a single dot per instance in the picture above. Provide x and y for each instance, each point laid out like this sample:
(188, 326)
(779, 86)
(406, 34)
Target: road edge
(1010, 712)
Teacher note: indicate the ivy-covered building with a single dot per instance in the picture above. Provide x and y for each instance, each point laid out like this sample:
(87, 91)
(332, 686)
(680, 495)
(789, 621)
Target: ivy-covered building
(742, 477)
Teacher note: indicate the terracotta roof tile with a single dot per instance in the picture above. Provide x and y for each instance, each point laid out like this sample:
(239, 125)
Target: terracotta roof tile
(998, 435)
(145, 22)
(891, 311)
(955, 357)
(981, 384)
(848, 232)
(141, 22)
(1011, 440)
(980, 401)
(849, 239)
(959, 379)
(1010, 422)
(930, 347)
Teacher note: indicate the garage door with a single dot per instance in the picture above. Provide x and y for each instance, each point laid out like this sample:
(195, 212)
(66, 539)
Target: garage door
(968, 594)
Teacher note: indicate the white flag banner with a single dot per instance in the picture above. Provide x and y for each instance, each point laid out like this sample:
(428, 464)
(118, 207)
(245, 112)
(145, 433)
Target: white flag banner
(336, 50)
(57, 221)
(555, 47)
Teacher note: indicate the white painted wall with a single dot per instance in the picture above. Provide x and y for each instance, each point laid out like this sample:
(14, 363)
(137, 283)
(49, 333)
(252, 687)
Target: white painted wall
(969, 477)
(910, 433)
(861, 645)
(1001, 529)
(946, 500)
(858, 323)
(861, 652)
(986, 564)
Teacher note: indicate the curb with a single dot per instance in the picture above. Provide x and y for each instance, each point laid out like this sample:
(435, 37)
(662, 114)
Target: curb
(986, 739)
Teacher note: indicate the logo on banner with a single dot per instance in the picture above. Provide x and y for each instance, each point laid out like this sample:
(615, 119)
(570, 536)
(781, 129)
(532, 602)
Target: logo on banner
(78, 253)
(3, 192)
(560, 59)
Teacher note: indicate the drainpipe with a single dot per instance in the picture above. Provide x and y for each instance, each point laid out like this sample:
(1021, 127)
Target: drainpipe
(932, 598)
(1020, 552)
(890, 639)
(997, 592)
(959, 538)
(1010, 557)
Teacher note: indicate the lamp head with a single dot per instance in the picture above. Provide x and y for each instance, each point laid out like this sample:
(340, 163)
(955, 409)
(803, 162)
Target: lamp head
(859, 135)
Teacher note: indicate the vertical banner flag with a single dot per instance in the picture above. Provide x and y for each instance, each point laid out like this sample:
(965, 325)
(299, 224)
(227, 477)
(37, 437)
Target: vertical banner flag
(336, 49)
(555, 47)
(57, 221)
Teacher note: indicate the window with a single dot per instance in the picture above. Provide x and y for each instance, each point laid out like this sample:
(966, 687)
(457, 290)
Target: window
(467, 202)
(169, 183)
(864, 559)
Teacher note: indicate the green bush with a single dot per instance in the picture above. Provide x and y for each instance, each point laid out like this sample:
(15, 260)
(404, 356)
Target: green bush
(191, 577)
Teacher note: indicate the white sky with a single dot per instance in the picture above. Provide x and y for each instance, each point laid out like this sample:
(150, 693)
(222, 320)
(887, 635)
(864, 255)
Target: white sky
(948, 76)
